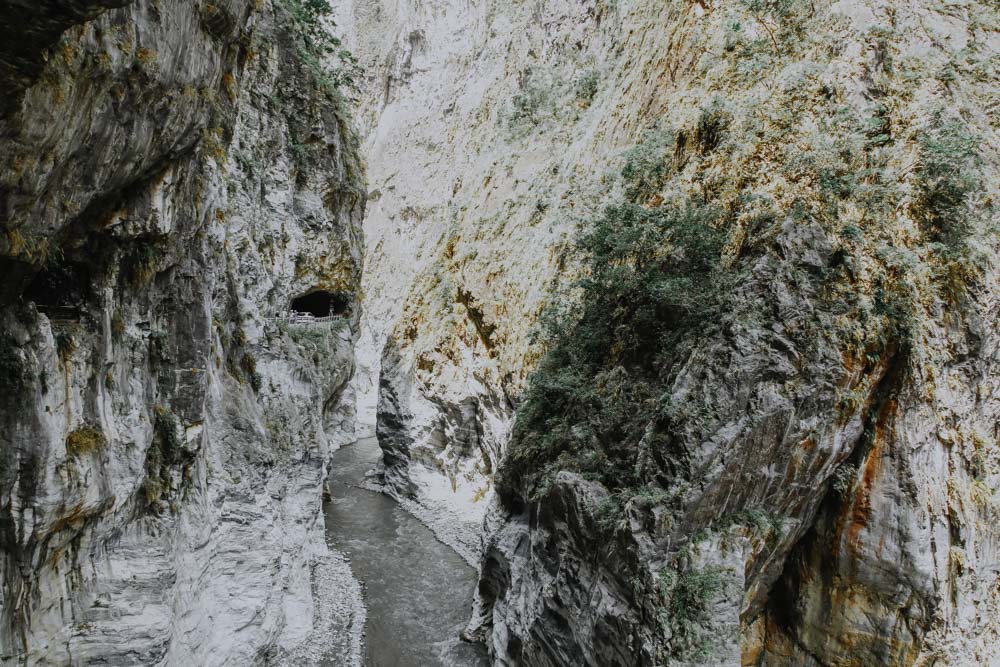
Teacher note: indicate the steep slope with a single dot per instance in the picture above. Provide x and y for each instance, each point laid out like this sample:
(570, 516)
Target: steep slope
(768, 428)
(766, 424)
(487, 130)
(173, 175)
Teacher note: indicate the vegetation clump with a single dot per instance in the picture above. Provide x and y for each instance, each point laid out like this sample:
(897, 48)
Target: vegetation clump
(166, 452)
(728, 228)
(945, 178)
(646, 166)
(586, 86)
(85, 440)
(216, 19)
(660, 266)
(117, 325)
(333, 66)
(652, 276)
(249, 366)
(533, 103)
(140, 262)
(687, 597)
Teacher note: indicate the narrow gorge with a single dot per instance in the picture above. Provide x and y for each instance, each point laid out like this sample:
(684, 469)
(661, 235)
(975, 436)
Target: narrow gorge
(528, 333)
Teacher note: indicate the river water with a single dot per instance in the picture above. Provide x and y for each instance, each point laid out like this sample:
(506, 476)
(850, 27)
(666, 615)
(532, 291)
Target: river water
(418, 591)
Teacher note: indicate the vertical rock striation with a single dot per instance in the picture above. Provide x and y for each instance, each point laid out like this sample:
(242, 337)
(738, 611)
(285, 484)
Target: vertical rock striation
(807, 476)
(174, 174)
(487, 129)
(810, 458)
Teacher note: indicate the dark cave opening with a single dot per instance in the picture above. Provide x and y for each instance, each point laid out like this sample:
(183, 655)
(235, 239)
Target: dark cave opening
(58, 290)
(320, 303)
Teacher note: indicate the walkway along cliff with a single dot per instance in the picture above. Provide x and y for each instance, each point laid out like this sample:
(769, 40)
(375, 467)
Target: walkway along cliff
(172, 176)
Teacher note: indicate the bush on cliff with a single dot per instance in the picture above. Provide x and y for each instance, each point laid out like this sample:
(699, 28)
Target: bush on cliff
(653, 274)
(332, 64)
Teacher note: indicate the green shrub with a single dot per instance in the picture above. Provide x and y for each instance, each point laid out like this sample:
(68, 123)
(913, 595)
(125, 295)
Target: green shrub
(216, 20)
(608, 514)
(249, 366)
(85, 440)
(762, 521)
(894, 302)
(776, 9)
(117, 325)
(647, 496)
(691, 593)
(878, 128)
(657, 267)
(140, 262)
(687, 597)
(314, 338)
(311, 24)
(711, 127)
(653, 276)
(946, 175)
(764, 524)
(532, 104)
(586, 86)
(646, 165)
(165, 452)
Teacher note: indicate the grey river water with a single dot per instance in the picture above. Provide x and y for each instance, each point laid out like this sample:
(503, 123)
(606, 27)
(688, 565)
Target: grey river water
(417, 590)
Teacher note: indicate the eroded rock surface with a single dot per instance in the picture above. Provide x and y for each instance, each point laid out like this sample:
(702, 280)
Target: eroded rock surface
(487, 130)
(173, 176)
(838, 413)
(819, 475)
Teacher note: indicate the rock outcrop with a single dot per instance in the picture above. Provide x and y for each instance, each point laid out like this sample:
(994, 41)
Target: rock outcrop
(487, 130)
(809, 477)
(173, 175)
(833, 404)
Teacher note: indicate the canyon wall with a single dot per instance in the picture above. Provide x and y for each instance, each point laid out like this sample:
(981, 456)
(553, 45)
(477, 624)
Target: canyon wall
(173, 175)
(800, 468)
(488, 129)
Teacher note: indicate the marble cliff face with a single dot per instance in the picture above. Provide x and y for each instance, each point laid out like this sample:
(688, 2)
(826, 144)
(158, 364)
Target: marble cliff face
(828, 496)
(788, 455)
(173, 175)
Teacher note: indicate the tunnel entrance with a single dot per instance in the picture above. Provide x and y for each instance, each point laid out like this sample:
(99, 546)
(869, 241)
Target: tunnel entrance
(321, 303)
(58, 291)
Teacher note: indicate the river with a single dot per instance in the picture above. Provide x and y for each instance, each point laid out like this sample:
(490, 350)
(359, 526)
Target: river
(418, 591)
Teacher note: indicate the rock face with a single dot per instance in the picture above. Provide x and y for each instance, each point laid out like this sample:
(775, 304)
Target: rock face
(487, 129)
(174, 174)
(817, 467)
(838, 414)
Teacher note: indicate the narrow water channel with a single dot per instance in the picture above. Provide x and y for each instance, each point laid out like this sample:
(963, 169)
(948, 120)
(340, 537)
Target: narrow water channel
(417, 590)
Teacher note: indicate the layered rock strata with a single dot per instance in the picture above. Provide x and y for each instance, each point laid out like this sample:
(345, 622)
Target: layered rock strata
(828, 497)
(174, 174)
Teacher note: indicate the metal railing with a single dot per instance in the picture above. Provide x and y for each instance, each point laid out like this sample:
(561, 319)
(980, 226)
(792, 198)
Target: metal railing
(295, 317)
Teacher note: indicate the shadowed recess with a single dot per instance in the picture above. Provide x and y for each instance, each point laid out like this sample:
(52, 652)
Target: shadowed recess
(320, 303)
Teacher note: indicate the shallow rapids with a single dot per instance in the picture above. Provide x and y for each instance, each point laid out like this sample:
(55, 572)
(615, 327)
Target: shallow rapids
(418, 591)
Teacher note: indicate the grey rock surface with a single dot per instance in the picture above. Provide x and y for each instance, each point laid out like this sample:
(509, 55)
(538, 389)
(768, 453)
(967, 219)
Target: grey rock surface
(173, 174)
(843, 491)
